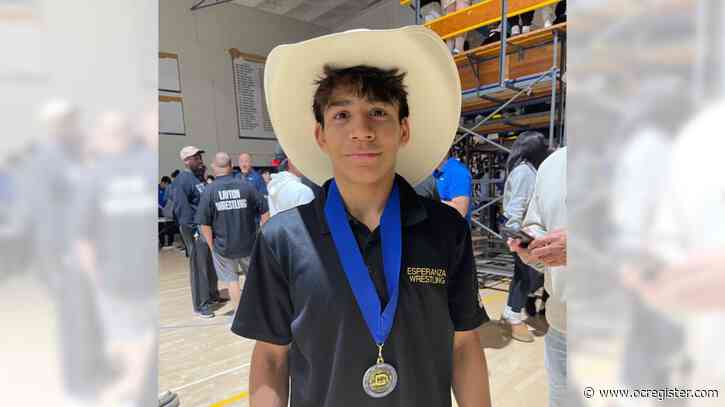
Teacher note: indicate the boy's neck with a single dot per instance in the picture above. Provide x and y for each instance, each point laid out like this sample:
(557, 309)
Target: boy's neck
(366, 202)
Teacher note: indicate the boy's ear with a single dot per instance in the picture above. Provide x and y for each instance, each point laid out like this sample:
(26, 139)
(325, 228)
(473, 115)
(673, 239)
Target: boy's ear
(404, 131)
(320, 137)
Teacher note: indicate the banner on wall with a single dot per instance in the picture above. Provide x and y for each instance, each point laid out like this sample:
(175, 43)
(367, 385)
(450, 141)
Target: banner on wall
(252, 116)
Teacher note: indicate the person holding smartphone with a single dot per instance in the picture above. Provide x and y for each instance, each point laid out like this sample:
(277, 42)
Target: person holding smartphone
(546, 220)
(527, 153)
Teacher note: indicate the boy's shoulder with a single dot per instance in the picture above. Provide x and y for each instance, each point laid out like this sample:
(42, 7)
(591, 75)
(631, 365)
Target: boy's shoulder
(442, 214)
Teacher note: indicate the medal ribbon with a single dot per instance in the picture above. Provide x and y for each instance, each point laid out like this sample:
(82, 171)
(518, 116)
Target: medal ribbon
(379, 323)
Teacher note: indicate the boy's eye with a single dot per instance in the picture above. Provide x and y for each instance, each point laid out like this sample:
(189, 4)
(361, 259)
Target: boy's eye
(378, 113)
(341, 115)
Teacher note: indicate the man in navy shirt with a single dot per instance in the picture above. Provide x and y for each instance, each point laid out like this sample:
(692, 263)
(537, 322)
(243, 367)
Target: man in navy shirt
(248, 173)
(454, 186)
(187, 189)
(228, 213)
(366, 296)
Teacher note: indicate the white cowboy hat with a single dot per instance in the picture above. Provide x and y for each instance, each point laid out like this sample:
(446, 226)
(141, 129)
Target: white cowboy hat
(432, 82)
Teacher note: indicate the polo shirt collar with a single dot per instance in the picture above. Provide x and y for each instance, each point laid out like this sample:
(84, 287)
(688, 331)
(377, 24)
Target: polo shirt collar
(412, 210)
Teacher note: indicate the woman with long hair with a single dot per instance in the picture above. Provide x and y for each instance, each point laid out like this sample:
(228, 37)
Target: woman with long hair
(527, 153)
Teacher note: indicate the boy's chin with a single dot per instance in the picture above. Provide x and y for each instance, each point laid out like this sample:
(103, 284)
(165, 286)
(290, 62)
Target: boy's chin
(366, 177)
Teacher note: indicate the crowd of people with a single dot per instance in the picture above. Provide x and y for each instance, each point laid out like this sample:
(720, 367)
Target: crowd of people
(185, 197)
(218, 216)
(71, 228)
(520, 24)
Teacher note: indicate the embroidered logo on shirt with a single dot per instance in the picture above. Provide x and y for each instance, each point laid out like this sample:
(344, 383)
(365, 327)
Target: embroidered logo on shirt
(427, 275)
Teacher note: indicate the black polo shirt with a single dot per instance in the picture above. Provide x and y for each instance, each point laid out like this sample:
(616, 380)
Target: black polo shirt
(372, 253)
(231, 206)
(297, 294)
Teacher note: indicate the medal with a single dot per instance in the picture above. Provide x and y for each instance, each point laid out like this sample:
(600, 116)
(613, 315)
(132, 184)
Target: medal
(380, 379)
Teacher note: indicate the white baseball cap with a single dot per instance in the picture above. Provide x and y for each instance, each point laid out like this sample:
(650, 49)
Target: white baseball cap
(189, 151)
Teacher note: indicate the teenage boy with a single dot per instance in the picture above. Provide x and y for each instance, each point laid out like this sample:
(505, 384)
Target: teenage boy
(368, 294)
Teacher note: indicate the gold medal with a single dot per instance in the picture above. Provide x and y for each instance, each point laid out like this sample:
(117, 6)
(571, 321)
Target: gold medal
(381, 378)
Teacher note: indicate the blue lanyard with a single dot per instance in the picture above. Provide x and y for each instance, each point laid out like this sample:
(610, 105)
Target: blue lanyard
(379, 323)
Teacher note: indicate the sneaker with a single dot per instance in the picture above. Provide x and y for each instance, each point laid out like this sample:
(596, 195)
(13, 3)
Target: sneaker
(515, 30)
(219, 300)
(539, 324)
(205, 313)
(548, 23)
(495, 36)
(521, 333)
(168, 399)
(526, 29)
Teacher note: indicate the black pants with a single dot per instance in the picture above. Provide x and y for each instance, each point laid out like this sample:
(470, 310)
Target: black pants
(526, 281)
(167, 230)
(83, 363)
(522, 19)
(201, 269)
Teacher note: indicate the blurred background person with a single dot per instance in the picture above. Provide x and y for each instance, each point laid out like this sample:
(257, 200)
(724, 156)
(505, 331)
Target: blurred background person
(121, 198)
(248, 173)
(188, 187)
(451, 6)
(227, 214)
(453, 183)
(163, 189)
(685, 277)
(286, 189)
(266, 177)
(527, 153)
(15, 231)
(168, 212)
(654, 347)
(546, 220)
(52, 195)
(428, 188)
(167, 228)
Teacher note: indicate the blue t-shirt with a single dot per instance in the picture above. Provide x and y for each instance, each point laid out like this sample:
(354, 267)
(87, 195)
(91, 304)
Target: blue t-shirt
(162, 197)
(256, 180)
(454, 180)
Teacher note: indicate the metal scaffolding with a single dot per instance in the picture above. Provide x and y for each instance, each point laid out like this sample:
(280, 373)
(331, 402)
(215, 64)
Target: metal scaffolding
(501, 265)
(207, 3)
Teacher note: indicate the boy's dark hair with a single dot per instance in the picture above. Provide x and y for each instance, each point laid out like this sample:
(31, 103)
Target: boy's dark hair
(175, 173)
(374, 84)
(165, 179)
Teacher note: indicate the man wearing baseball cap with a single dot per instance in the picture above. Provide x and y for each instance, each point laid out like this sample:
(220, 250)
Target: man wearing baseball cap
(368, 295)
(187, 189)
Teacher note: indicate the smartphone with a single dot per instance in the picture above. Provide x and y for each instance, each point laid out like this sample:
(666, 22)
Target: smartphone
(525, 239)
